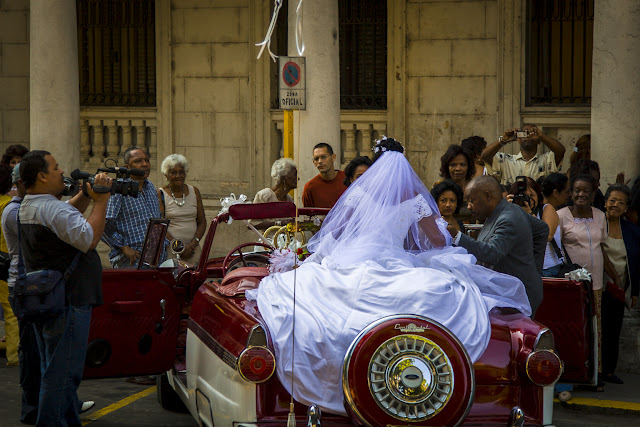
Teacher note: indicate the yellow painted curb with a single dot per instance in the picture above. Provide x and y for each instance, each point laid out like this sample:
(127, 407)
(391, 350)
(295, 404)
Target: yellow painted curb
(115, 406)
(613, 404)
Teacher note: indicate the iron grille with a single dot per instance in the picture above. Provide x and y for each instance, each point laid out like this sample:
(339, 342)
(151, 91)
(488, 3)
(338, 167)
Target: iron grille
(116, 48)
(559, 51)
(363, 54)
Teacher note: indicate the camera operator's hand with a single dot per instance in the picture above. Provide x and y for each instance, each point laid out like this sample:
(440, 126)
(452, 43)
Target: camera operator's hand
(131, 254)
(103, 180)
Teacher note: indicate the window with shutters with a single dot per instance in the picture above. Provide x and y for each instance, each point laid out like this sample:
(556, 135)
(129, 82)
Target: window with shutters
(116, 49)
(559, 45)
(363, 54)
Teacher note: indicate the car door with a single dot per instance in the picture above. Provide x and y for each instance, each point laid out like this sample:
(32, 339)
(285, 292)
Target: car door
(135, 330)
(567, 310)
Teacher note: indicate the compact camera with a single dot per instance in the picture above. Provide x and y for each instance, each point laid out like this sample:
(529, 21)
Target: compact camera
(522, 133)
(521, 195)
(120, 185)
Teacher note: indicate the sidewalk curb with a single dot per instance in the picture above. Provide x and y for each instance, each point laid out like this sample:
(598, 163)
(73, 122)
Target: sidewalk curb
(600, 406)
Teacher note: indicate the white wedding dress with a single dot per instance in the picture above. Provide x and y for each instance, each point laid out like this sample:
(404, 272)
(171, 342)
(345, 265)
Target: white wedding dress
(349, 283)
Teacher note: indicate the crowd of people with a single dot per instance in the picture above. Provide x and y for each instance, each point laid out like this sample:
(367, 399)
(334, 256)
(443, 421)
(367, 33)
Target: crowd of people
(534, 219)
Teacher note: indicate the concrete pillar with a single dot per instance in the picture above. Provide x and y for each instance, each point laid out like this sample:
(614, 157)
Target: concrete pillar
(615, 102)
(615, 128)
(54, 86)
(320, 122)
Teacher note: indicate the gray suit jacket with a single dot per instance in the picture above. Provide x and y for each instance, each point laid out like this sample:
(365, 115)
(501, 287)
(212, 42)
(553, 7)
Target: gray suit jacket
(512, 242)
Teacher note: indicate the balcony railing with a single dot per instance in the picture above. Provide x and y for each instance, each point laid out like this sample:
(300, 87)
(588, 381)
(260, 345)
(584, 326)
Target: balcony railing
(107, 133)
(358, 131)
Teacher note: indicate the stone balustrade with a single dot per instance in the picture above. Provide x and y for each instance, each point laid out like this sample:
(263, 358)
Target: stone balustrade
(107, 133)
(358, 131)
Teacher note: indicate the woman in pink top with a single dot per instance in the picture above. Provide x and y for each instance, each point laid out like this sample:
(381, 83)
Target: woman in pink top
(583, 233)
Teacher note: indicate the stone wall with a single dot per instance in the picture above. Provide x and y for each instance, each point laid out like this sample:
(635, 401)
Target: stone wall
(14, 73)
(211, 84)
(451, 70)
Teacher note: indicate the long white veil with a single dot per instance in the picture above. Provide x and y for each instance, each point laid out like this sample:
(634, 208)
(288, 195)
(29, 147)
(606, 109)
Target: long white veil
(388, 210)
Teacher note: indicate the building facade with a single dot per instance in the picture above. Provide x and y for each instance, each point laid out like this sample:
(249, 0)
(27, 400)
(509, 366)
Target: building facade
(429, 73)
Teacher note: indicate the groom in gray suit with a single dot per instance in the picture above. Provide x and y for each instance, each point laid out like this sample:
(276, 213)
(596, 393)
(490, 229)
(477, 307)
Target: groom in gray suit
(511, 241)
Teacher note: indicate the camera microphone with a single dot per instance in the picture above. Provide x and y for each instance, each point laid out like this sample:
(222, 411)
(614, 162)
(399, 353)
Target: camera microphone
(78, 174)
(137, 172)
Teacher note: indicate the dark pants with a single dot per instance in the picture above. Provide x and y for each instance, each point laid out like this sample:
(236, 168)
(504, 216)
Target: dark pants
(63, 347)
(29, 356)
(612, 315)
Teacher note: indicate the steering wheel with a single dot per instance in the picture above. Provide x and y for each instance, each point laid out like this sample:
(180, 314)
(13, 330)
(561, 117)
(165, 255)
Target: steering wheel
(228, 263)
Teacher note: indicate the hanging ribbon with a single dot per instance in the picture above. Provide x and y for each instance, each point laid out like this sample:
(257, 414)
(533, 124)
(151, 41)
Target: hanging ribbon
(299, 38)
(277, 4)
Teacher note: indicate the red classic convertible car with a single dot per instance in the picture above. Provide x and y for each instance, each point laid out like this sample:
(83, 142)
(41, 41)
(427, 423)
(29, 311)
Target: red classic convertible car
(212, 350)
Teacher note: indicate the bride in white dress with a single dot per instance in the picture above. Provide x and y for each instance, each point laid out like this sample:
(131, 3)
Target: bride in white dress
(382, 250)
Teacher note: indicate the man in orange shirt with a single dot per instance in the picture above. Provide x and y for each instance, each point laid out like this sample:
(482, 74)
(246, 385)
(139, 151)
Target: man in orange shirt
(324, 190)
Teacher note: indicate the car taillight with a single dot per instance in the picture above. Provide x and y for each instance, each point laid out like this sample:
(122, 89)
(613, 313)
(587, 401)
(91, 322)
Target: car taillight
(544, 367)
(256, 364)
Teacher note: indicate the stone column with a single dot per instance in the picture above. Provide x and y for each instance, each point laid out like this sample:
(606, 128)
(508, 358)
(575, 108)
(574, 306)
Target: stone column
(615, 129)
(615, 102)
(54, 86)
(320, 122)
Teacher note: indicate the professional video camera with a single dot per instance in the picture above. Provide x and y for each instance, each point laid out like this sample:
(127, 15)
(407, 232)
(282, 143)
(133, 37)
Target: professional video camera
(120, 185)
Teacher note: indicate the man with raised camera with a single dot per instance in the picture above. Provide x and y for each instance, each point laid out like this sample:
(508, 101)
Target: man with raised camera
(128, 217)
(53, 236)
(505, 167)
(510, 241)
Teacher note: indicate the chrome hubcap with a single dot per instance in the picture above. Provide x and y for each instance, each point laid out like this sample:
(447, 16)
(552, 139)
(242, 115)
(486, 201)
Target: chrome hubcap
(410, 377)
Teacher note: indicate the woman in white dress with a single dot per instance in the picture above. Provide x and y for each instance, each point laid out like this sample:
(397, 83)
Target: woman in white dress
(182, 204)
(382, 250)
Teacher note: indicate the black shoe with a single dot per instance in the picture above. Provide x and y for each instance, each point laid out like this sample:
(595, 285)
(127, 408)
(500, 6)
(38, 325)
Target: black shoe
(613, 378)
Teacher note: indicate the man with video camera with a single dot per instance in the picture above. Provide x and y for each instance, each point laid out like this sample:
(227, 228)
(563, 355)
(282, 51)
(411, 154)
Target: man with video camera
(53, 236)
(127, 217)
(505, 167)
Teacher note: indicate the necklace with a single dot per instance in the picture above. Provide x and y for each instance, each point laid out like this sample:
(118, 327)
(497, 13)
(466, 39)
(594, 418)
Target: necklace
(181, 203)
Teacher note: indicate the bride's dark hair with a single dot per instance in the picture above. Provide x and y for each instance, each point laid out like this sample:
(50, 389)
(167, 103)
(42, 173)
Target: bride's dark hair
(386, 144)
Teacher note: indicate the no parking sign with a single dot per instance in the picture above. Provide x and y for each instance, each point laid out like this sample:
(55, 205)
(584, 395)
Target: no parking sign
(292, 83)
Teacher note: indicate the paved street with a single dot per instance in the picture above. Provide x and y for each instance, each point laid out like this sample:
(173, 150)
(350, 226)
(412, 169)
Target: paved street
(122, 404)
(111, 408)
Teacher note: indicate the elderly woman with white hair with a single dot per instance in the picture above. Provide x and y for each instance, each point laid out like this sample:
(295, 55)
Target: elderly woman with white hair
(182, 204)
(285, 176)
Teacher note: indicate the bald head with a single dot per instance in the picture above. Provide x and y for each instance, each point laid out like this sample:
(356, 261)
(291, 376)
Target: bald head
(486, 183)
(483, 194)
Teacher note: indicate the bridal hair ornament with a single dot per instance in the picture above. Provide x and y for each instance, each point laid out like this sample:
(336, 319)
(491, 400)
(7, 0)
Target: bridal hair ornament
(377, 148)
(227, 202)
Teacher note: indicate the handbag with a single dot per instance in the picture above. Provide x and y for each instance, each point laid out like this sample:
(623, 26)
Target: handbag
(5, 262)
(40, 295)
(615, 292)
(567, 265)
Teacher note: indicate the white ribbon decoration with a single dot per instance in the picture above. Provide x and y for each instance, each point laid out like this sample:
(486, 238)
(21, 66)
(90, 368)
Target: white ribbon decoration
(277, 4)
(227, 202)
(578, 275)
(299, 38)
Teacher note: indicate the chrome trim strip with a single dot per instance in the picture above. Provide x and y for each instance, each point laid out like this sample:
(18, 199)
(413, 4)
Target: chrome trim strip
(543, 332)
(257, 337)
(217, 349)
